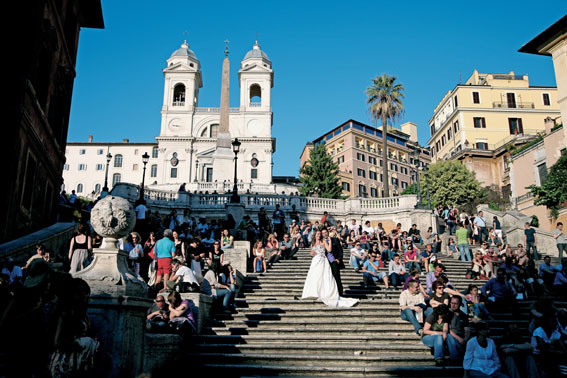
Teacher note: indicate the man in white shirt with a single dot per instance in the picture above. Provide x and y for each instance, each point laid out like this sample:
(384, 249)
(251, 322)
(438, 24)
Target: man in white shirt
(182, 276)
(354, 227)
(412, 303)
(357, 256)
(368, 228)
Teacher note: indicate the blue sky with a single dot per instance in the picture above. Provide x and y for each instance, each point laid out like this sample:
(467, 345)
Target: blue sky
(324, 54)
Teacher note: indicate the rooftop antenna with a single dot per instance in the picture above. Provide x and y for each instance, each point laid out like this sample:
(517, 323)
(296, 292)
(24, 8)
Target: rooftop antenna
(226, 41)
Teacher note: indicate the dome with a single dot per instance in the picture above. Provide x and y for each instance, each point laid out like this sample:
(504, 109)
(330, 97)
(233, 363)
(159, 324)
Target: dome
(256, 53)
(184, 51)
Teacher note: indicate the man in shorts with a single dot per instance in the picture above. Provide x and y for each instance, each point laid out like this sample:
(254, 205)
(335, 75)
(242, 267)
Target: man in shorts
(165, 251)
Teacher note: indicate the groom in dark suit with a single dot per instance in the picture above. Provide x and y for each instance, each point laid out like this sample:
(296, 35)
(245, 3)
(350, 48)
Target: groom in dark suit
(335, 258)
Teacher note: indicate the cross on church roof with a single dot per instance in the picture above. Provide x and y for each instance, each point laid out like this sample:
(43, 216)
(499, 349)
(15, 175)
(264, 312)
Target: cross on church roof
(226, 41)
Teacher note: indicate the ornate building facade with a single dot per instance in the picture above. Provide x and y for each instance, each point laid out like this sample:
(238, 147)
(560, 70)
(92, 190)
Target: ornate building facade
(184, 151)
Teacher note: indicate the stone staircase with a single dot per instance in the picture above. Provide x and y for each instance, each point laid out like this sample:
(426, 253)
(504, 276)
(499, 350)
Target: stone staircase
(276, 333)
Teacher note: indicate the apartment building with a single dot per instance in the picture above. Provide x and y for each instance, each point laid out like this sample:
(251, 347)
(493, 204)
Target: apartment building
(478, 122)
(357, 148)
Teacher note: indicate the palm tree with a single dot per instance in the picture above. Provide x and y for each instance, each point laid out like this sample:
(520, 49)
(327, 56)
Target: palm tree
(385, 104)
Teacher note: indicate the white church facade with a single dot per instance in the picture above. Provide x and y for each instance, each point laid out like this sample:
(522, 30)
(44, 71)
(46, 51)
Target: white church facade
(184, 151)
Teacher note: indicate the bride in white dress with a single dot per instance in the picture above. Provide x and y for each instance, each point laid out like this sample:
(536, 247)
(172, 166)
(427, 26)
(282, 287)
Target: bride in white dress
(320, 283)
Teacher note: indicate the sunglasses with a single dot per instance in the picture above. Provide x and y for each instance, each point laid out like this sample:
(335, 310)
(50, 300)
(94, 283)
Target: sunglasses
(161, 300)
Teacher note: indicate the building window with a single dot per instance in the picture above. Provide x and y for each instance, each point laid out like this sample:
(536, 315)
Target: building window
(373, 192)
(373, 175)
(97, 188)
(404, 184)
(542, 170)
(449, 134)
(482, 146)
(82, 151)
(153, 170)
(546, 100)
(394, 181)
(173, 173)
(213, 131)
(341, 159)
(135, 167)
(437, 146)
(116, 178)
(82, 167)
(346, 186)
(456, 101)
(100, 167)
(443, 140)
(209, 175)
(516, 126)
(100, 151)
(361, 172)
(381, 178)
(362, 190)
(117, 161)
(360, 156)
(254, 173)
(394, 167)
(456, 127)
(381, 163)
(403, 170)
(65, 167)
(155, 152)
(179, 95)
(79, 188)
(476, 98)
(511, 100)
(479, 123)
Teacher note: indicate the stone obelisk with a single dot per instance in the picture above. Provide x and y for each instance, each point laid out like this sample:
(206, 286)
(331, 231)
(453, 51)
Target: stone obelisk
(223, 156)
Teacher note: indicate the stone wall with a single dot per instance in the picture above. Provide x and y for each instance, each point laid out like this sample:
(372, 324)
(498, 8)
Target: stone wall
(55, 238)
(513, 225)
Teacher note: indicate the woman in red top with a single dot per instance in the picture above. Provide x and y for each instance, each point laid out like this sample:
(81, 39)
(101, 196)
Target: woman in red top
(411, 258)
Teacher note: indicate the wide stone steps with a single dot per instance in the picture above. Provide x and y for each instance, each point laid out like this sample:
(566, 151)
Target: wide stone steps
(274, 332)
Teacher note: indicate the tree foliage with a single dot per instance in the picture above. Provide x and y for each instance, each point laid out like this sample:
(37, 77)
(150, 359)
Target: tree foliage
(320, 175)
(412, 189)
(385, 104)
(451, 183)
(553, 193)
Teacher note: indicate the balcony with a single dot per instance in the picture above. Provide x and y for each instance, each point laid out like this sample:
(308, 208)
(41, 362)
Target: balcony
(255, 104)
(513, 105)
(178, 103)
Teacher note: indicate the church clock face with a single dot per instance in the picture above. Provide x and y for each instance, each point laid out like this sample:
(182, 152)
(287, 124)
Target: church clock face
(254, 162)
(175, 124)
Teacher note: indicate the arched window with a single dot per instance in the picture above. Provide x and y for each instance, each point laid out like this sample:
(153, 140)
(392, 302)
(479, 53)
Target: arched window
(117, 161)
(255, 95)
(153, 170)
(116, 178)
(179, 95)
(155, 152)
(205, 132)
(214, 131)
(97, 188)
(79, 188)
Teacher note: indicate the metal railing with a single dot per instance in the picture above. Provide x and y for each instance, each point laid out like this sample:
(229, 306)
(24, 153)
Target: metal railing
(216, 110)
(513, 105)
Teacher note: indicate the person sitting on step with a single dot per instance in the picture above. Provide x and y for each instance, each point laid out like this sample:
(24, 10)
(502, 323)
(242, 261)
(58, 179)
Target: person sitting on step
(481, 356)
(183, 278)
(397, 271)
(370, 271)
(436, 332)
(412, 304)
(357, 256)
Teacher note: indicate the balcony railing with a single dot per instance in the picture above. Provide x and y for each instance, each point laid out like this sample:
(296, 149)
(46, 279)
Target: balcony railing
(513, 105)
(178, 103)
(255, 104)
(216, 110)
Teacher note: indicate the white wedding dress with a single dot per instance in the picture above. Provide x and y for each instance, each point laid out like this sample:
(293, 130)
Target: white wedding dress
(320, 283)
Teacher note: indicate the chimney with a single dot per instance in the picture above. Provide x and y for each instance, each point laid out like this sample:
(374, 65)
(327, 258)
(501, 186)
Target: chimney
(90, 138)
(549, 124)
(125, 140)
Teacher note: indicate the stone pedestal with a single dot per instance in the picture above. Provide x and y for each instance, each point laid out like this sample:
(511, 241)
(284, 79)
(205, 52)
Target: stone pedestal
(236, 210)
(118, 302)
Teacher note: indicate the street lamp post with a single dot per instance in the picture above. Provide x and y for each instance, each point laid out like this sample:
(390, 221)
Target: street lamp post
(108, 158)
(196, 169)
(417, 162)
(145, 159)
(235, 198)
(427, 188)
